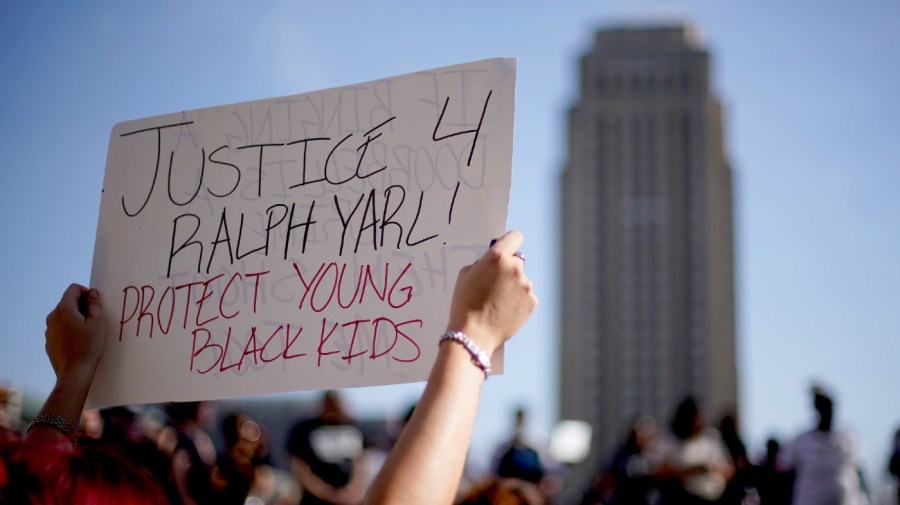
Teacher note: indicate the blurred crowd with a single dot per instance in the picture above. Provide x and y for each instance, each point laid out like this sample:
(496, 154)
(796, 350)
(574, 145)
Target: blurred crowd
(203, 457)
(690, 462)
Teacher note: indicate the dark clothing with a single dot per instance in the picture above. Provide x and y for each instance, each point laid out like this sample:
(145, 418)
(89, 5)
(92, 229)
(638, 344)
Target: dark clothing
(633, 477)
(330, 448)
(521, 462)
(775, 487)
(199, 476)
(674, 495)
(238, 481)
(894, 468)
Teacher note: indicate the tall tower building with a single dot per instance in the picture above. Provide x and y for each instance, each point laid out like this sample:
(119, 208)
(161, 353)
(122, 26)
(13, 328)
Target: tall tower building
(647, 244)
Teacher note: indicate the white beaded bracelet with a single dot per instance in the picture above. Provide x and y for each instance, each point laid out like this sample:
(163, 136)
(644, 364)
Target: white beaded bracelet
(479, 357)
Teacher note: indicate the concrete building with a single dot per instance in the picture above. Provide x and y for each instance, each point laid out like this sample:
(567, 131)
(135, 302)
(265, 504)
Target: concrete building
(647, 242)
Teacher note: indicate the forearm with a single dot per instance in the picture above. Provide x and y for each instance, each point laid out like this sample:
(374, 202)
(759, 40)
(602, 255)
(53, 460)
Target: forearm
(66, 400)
(75, 342)
(427, 462)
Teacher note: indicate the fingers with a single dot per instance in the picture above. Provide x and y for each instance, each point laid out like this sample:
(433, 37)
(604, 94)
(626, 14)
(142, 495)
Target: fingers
(78, 300)
(94, 308)
(67, 303)
(509, 242)
(71, 296)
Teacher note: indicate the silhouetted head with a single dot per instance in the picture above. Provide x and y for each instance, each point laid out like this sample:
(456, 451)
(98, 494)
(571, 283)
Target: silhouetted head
(183, 412)
(686, 422)
(242, 434)
(520, 417)
(333, 407)
(641, 435)
(824, 405)
(728, 425)
(772, 449)
(231, 428)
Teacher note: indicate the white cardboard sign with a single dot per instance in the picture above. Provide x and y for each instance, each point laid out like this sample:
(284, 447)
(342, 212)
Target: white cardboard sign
(295, 243)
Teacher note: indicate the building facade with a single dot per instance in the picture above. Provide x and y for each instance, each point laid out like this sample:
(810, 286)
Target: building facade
(647, 243)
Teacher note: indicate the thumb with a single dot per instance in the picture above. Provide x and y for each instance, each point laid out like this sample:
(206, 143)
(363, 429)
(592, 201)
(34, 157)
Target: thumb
(94, 307)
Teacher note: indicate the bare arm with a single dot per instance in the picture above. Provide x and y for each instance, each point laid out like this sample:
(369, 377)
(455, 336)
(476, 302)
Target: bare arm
(75, 341)
(491, 301)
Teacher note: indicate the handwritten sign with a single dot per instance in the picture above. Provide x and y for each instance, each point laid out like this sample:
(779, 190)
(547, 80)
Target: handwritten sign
(303, 242)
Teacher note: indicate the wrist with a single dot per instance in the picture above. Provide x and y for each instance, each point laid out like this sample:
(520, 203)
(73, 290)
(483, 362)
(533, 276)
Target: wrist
(74, 382)
(480, 358)
(77, 373)
(481, 335)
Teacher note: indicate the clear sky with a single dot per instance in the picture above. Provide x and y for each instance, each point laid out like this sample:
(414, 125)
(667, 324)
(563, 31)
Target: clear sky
(812, 104)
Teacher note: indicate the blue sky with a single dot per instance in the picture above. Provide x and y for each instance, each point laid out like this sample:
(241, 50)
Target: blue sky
(810, 90)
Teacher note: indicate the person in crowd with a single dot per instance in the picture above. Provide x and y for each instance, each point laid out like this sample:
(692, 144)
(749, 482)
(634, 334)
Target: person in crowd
(243, 468)
(9, 436)
(894, 463)
(737, 451)
(519, 458)
(91, 424)
(492, 299)
(192, 450)
(503, 491)
(8, 427)
(696, 467)
(773, 484)
(123, 429)
(52, 467)
(825, 461)
(635, 464)
(326, 454)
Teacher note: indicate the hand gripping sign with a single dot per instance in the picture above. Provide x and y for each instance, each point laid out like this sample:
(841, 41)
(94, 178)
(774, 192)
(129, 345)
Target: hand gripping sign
(304, 242)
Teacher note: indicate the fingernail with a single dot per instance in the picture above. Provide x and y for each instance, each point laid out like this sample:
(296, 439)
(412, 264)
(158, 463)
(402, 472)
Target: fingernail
(93, 293)
(493, 241)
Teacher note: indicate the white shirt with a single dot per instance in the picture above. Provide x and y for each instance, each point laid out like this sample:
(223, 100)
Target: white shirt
(705, 449)
(826, 466)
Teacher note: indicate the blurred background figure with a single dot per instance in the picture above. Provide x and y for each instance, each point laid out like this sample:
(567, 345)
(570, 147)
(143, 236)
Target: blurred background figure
(192, 451)
(325, 456)
(520, 457)
(526, 456)
(772, 483)
(91, 424)
(825, 461)
(894, 464)
(503, 492)
(243, 468)
(737, 450)
(696, 467)
(631, 476)
(9, 435)
(10, 406)
(634, 467)
(123, 429)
